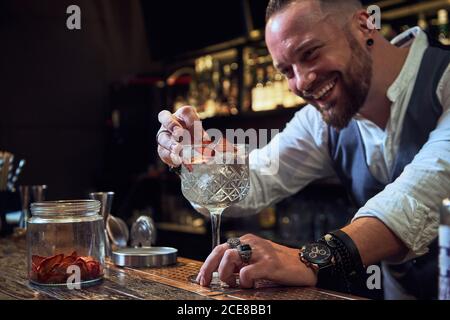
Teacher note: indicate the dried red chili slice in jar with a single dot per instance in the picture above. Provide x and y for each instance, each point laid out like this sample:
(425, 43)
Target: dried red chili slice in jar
(36, 260)
(94, 270)
(53, 270)
(47, 265)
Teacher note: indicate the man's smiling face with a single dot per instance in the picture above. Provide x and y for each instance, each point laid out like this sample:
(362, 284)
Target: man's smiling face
(322, 60)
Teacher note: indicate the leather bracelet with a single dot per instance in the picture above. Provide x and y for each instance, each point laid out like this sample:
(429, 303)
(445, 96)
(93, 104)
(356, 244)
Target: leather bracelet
(348, 268)
(345, 257)
(351, 249)
(334, 277)
(345, 285)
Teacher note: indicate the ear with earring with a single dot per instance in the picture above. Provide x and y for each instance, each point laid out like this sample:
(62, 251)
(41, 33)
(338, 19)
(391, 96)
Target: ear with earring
(370, 42)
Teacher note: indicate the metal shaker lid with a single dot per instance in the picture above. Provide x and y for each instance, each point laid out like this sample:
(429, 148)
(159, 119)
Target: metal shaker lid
(145, 257)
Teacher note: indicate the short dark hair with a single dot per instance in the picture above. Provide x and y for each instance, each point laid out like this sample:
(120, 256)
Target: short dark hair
(275, 6)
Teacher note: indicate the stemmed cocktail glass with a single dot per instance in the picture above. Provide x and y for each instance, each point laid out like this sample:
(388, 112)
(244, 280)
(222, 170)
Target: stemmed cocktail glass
(214, 177)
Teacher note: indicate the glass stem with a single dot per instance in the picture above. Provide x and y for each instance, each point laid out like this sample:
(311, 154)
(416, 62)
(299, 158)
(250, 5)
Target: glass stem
(216, 215)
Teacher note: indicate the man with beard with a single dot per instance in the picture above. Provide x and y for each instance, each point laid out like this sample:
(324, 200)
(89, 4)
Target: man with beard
(378, 118)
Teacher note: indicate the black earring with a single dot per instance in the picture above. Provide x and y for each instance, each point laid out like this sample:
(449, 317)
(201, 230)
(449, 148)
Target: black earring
(370, 42)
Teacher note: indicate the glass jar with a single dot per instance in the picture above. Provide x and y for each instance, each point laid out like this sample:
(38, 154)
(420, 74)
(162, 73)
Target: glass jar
(65, 243)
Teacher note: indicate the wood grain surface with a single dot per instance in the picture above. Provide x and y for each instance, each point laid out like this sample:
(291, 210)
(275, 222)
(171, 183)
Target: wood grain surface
(168, 283)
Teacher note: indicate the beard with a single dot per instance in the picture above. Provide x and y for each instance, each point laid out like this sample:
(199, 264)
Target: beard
(355, 84)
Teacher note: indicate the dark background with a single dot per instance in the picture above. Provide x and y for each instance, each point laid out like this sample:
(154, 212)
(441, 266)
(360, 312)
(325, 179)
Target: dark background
(56, 99)
(189, 25)
(55, 86)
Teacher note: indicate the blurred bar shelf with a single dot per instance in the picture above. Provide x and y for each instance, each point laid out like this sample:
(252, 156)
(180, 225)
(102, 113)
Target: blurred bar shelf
(415, 9)
(238, 76)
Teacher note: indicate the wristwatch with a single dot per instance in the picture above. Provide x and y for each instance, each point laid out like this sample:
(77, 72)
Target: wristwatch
(336, 261)
(317, 256)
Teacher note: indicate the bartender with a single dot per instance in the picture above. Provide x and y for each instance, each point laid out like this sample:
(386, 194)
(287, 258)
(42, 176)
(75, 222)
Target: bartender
(378, 119)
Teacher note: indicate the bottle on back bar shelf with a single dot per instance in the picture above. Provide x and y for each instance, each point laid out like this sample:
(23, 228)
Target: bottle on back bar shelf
(270, 88)
(422, 22)
(444, 34)
(444, 256)
(258, 92)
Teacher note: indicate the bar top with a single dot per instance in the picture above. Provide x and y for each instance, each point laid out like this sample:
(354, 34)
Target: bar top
(168, 283)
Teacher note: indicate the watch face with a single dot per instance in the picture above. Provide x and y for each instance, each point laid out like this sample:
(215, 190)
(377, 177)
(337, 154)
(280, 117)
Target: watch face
(317, 253)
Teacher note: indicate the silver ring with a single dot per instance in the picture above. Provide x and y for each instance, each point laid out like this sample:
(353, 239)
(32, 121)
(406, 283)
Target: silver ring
(245, 251)
(233, 242)
(162, 131)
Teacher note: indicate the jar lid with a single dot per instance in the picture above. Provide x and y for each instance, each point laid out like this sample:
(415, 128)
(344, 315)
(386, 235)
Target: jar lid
(65, 207)
(145, 257)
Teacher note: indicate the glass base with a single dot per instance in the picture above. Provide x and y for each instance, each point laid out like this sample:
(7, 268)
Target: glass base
(215, 284)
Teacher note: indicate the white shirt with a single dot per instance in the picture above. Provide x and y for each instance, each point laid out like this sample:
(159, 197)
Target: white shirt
(410, 205)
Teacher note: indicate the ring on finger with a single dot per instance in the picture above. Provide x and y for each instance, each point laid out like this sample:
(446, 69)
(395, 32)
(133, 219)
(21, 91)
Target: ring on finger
(233, 243)
(245, 252)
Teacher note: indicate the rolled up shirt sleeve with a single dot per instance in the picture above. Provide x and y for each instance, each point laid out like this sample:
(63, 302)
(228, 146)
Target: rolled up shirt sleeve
(410, 205)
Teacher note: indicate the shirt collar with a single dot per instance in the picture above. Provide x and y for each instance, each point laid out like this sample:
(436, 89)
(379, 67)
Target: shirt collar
(418, 41)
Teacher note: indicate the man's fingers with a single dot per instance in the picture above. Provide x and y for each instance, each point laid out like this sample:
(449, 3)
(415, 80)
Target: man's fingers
(168, 142)
(230, 262)
(168, 157)
(249, 274)
(249, 238)
(164, 154)
(184, 124)
(211, 264)
(169, 121)
(187, 116)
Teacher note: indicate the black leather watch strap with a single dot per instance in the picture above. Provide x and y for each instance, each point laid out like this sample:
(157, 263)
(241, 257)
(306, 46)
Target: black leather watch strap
(346, 275)
(333, 277)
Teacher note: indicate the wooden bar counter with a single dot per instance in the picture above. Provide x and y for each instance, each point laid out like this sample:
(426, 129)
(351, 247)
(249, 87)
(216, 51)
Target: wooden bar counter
(169, 283)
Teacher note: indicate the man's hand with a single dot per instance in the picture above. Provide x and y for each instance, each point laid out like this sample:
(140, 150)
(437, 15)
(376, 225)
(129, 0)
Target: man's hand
(269, 261)
(173, 128)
